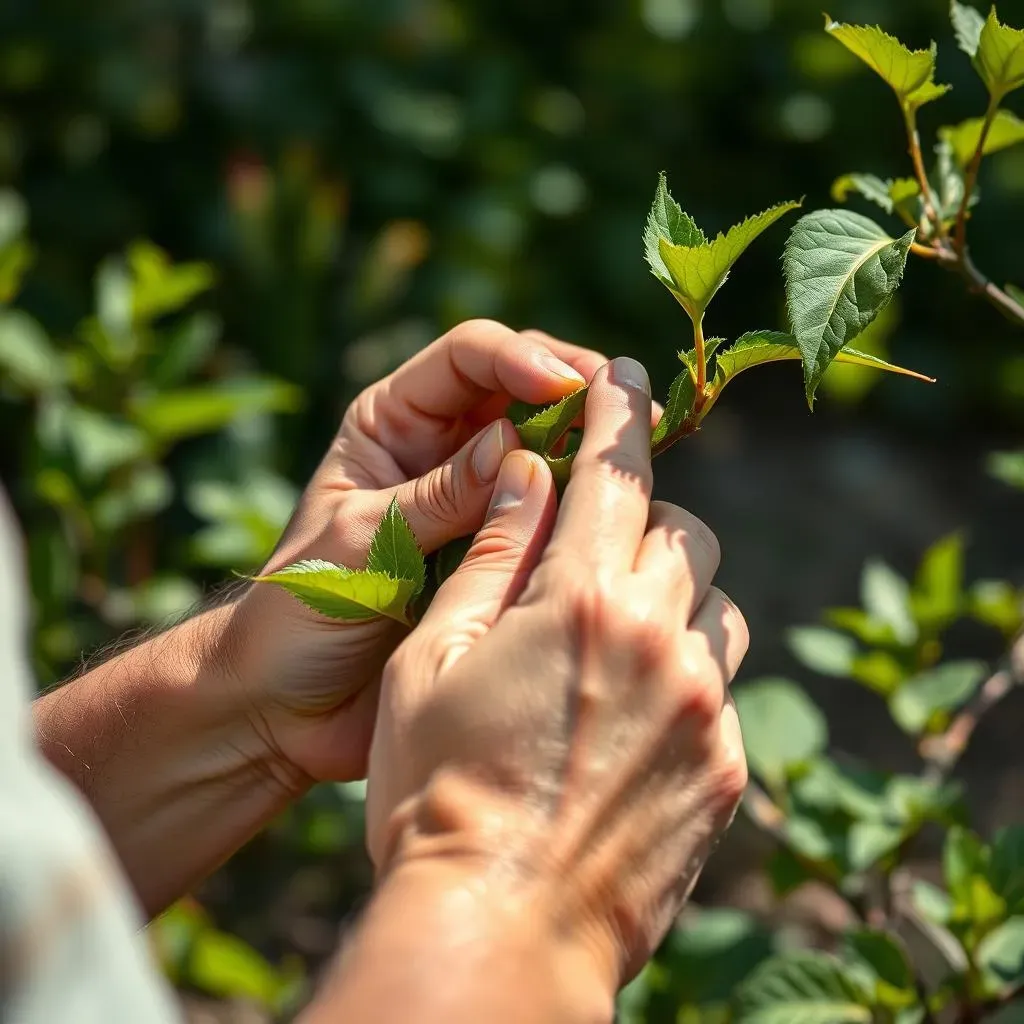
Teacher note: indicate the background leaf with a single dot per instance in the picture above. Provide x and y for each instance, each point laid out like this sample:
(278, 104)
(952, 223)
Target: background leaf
(967, 25)
(1007, 130)
(943, 688)
(841, 271)
(1000, 57)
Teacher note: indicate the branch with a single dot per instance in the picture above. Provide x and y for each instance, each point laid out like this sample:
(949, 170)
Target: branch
(927, 196)
(977, 282)
(942, 753)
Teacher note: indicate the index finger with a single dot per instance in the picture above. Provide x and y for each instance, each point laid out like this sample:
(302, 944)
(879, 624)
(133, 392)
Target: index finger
(603, 516)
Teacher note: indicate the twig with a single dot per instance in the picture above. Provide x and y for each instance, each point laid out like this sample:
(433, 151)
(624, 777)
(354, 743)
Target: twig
(927, 196)
(971, 177)
(942, 753)
(926, 252)
(977, 282)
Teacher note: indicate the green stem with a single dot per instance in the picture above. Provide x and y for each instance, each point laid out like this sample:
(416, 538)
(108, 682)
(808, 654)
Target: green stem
(702, 366)
(971, 177)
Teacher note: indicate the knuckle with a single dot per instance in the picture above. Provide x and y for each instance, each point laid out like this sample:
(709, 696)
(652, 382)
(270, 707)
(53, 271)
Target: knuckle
(440, 495)
(697, 689)
(730, 781)
(704, 536)
(472, 331)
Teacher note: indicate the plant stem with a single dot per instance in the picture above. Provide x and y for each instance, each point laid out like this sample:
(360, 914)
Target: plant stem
(689, 426)
(971, 177)
(702, 366)
(977, 282)
(927, 196)
(926, 252)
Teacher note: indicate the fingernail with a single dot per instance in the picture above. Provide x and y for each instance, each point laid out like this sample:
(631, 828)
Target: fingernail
(513, 482)
(489, 453)
(630, 374)
(552, 364)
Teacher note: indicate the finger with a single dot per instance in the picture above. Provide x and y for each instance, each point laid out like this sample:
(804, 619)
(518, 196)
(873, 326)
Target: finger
(723, 628)
(503, 553)
(678, 557)
(585, 360)
(605, 509)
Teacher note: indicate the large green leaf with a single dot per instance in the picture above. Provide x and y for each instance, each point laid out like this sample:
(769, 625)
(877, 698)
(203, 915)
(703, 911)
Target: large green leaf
(841, 271)
(667, 220)
(757, 347)
(171, 415)
(1007, 130)
(394, 550)
(696, 272)
(782, 727)
(341, 593)
(1000, 57)
(910, 73)
(540, 430)
(967, 25)
(680, 402)
(943, 688)
(803, 988)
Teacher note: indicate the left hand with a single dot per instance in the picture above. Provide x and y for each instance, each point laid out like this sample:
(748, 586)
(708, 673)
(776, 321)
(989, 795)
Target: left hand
(432, 435)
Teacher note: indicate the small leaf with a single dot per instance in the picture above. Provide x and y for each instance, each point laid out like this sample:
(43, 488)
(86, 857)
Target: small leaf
(910, 73)
(823, 650)
(963, 857)
(948, 187)
(886, 958)
(697, 272)
(542, 430)
(803, 988)
(1007, 130)
(667, 220)
(184, 350)
(782, 727)
(870, 841)
(342, 593)
(938, 589)
(967, 24)
(870, 186)
(681, 396)
(27, 357)
(689, 357)
(886, 597)
(841, 271)
(1000, 955)
(931, 902)
(943, 688)
(1000, 57)
(394, 550)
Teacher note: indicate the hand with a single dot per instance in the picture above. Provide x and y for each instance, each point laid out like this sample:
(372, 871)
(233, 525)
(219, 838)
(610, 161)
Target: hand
(432, 435)
(558, 723)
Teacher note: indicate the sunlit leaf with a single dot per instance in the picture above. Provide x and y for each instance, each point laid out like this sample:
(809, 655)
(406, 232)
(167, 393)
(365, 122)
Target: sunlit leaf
(540, 430)
(823, 650)
(910, 73)
(803, 988)
(886, 597)
(1000, 955)
(943, 688)
(696, 272)
(667, 220)
(342, 593)
(394, 550)
(937, 593)
(841, 270)
(1007, 130)
(901, 195)
(1000, 57)
(27, 357)
(967, 25)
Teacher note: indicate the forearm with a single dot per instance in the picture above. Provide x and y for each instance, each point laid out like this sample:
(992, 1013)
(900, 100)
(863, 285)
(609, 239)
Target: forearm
(459, 948)
(162, 742)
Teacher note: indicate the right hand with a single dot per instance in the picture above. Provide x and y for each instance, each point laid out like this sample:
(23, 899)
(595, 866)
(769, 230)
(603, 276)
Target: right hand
(559, 722)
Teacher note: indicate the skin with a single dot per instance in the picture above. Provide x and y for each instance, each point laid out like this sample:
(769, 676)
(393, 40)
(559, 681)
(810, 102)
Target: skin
(537, 827)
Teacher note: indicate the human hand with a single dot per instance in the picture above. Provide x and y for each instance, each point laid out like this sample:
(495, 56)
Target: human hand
(431, 435)
(558, 723)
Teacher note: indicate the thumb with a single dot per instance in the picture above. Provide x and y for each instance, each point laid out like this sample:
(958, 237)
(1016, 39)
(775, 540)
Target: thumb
(450, 501)
(504, 552)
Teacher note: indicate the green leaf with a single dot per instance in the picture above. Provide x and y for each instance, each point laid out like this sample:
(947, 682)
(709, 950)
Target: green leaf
(1007, 130)
(841, 271)
(943, 688)
(870, 841)
(948, 183)
(159, 286)
(667, 220)
(931, 902)
(886, 597)
(967, 25)
(1000, 955)
(681, 396)
(823, 650)
(696, 272)
(803, 988)
(688, 357)
(1015, 293)
(101, 443)
(885, 957)
(1000, 57)
(27, 357)
(937, 594)
(963, 857)
(172, 415)
(184, 349)
(341, 593)
(1007, 467)
(561, 467)
(901, 195)
(1007, 867)
(910, 73)
(540, 431)
(782, 727)
(394, 550)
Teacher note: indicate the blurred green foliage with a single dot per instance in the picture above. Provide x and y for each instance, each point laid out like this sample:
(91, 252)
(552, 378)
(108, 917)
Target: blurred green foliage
(330, 184)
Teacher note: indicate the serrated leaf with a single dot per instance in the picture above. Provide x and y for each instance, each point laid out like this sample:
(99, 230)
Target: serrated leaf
(394, 550)
(841, 271)
(667, 220)
(541, 431)
(680, 402)
(967, 25)
(561, 467)
(803, 988)
(697, 272)
(782, 727)
(1000, 57)
(910, 73)
(1007, 130)
(689, 357)
(341, 593)
(943, 688)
